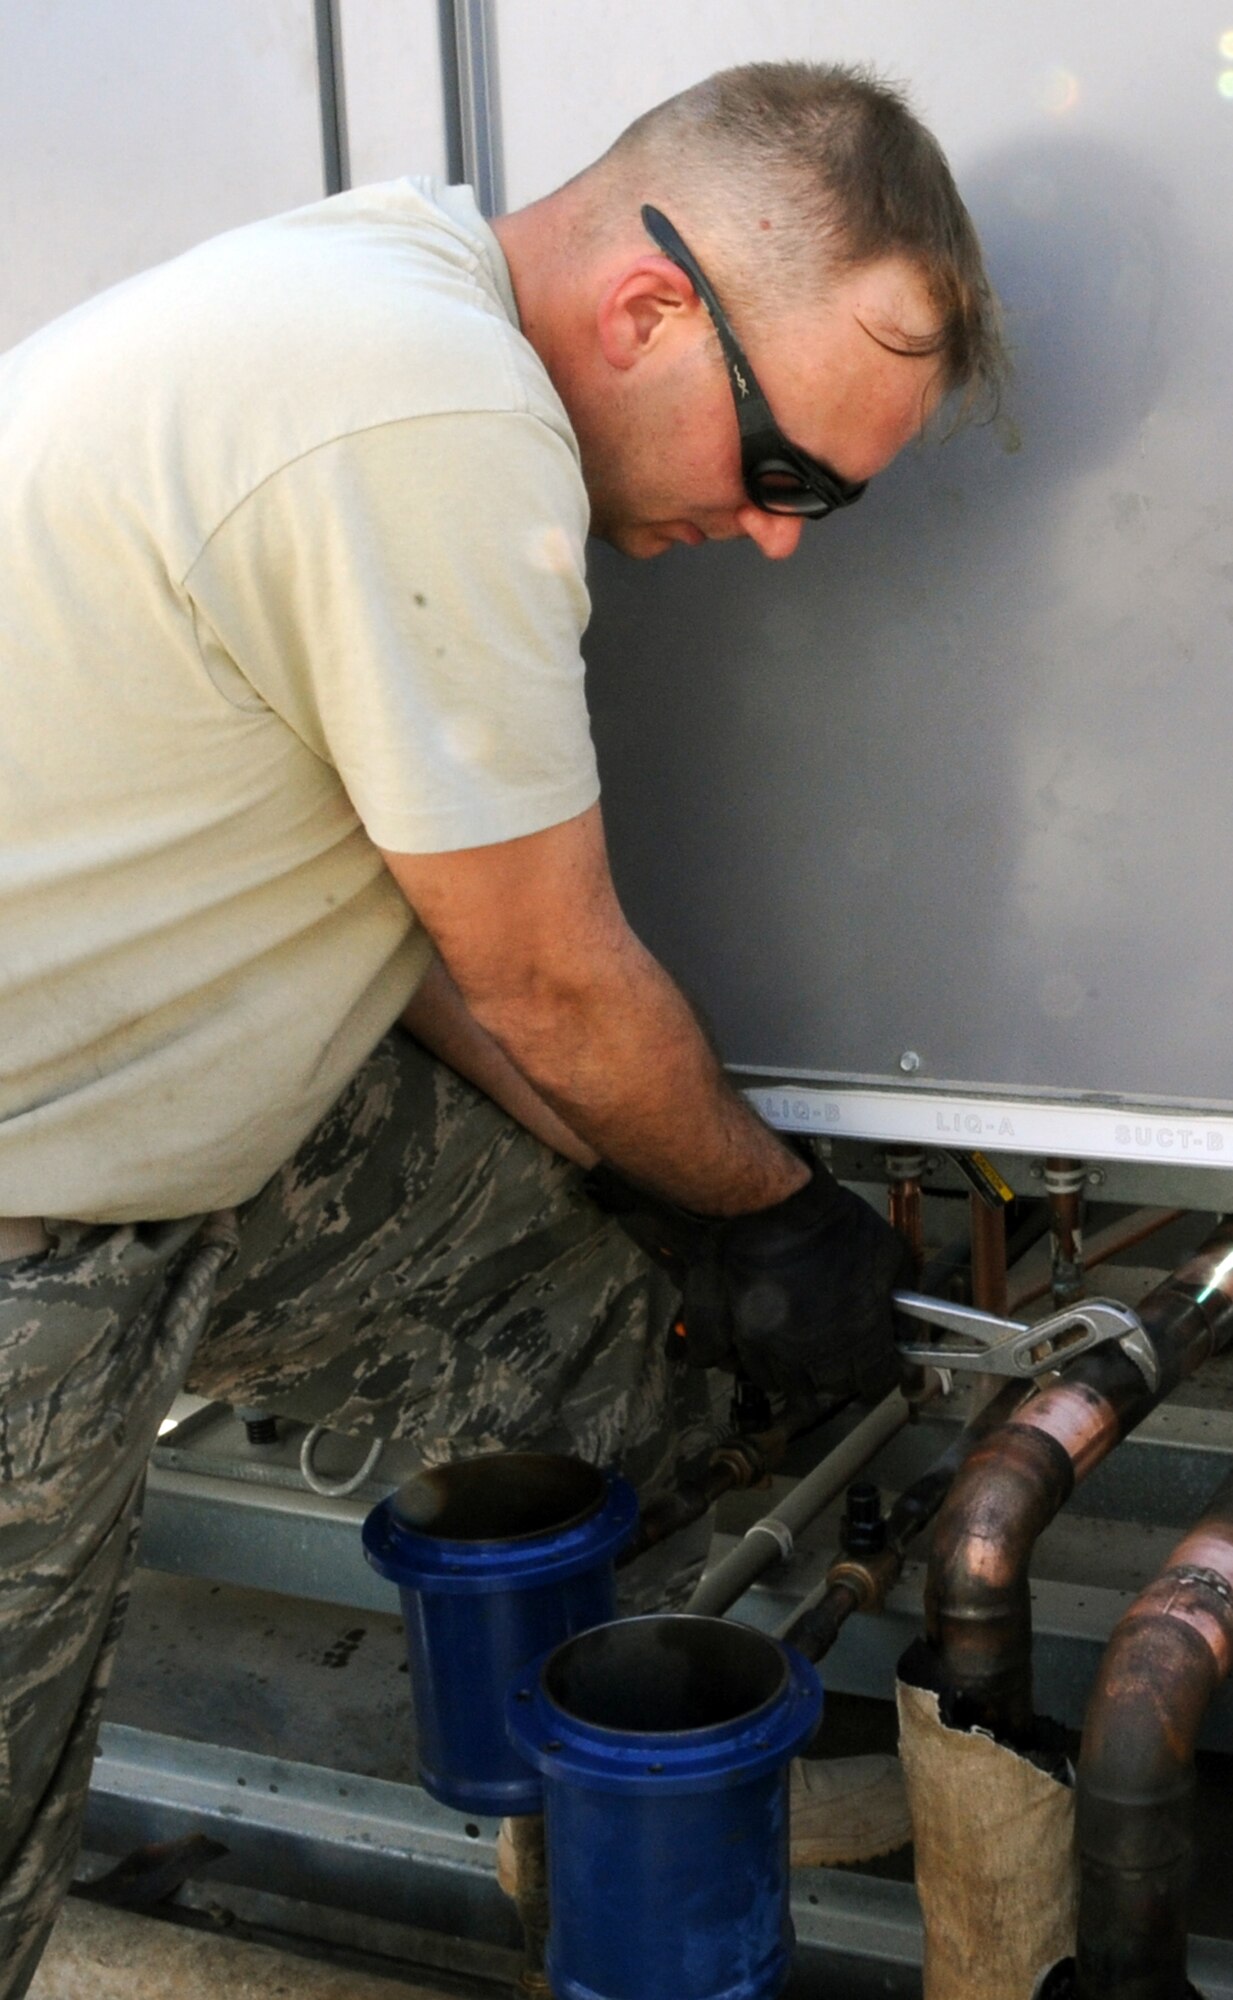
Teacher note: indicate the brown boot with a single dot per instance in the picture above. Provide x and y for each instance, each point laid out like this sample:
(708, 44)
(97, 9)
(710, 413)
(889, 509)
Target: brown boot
(847, 1809)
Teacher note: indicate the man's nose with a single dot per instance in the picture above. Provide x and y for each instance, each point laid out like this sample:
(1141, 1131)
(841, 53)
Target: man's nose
(775, 534)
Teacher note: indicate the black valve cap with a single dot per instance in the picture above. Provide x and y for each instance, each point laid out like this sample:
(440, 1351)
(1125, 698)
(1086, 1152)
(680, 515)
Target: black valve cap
(750, 1407)
(863, 1528)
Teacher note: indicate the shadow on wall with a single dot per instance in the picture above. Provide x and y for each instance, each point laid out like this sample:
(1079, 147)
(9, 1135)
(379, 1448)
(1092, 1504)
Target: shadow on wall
(1087, 253)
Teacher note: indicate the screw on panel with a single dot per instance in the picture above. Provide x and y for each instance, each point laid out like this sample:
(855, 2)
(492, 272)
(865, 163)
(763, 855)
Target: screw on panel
(909, 1062)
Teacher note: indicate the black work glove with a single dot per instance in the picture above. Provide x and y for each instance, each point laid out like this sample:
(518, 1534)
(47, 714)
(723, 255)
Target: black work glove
(798, 1294)
(672, 1237)
(807, 1285)
(686, 1246)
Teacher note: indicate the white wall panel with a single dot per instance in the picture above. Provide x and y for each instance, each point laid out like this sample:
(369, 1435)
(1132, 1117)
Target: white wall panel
(980, 71)
(391, 62)
(130, 129)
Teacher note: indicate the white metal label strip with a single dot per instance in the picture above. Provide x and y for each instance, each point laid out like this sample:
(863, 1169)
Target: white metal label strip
(1012, 1125)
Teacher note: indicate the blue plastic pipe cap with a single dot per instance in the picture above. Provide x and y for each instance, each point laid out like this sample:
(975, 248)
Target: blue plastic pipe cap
(497, 1559)
(664, 1746)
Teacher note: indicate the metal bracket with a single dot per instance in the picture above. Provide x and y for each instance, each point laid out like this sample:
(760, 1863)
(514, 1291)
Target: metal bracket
(1015, 1348)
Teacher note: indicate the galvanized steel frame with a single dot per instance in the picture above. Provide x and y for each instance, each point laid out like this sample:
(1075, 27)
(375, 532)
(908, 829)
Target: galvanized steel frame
(390, 1852)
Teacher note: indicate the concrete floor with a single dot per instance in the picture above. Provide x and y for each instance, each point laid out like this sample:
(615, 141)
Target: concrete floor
(103, 1954)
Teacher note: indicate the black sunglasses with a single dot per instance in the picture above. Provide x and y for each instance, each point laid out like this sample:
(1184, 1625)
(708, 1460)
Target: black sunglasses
(779, 477)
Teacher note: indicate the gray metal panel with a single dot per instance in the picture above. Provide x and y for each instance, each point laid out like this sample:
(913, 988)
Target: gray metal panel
(471, 72)
(954, 780)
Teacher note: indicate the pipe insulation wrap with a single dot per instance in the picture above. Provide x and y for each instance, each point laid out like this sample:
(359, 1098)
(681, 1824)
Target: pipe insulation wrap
(995, 1858)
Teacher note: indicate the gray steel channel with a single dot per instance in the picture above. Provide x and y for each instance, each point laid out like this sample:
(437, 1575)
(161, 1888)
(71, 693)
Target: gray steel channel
(302, 1831)
(266, 1537)
(336, 167)
(257, 1525)
(472, 99)
(389, 1852)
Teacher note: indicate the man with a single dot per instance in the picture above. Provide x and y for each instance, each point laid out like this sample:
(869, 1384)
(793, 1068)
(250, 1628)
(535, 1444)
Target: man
(294, 745)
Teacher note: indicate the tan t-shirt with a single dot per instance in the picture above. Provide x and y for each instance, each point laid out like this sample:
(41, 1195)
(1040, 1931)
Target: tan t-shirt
(291, 564)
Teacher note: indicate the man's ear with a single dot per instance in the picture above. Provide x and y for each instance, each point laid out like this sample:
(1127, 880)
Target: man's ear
(641, 307)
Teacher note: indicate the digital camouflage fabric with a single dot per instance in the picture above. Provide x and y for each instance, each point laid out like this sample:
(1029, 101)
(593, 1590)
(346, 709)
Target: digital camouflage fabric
(422, 1269)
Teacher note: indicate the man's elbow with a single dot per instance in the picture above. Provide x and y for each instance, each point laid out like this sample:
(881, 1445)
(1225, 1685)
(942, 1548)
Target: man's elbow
(536, 1016)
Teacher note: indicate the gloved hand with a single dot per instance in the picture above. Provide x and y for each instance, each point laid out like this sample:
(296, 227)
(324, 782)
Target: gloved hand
(672, 1237)
(807, 1285)
(799, 1293)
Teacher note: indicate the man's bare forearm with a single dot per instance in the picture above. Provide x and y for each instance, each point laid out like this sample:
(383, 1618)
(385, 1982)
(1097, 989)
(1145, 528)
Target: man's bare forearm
(533, 935)
(624, 1062)
(439, 1018)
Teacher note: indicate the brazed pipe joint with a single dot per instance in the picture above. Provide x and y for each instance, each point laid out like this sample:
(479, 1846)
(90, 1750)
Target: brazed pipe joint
(871, 1559)
(977, 1598)
(977, 1604)
(1164, 1662)
(987, 1806)
(1189, 1317)
(868, 1578)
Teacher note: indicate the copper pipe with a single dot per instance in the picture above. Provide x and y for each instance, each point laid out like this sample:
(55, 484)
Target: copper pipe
(1098, 1249)
(738, 1462)
(978, 1613)
(862, 1583)
(828, 1617)
(1135, 1798)
(1064, 1190)
(988, 1256)
(905, 1206)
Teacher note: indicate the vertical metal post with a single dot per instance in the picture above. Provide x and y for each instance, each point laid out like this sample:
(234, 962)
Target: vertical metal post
(335, 163)
(472, 99)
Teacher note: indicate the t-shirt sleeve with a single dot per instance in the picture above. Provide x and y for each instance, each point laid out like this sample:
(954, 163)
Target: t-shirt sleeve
(410, 600)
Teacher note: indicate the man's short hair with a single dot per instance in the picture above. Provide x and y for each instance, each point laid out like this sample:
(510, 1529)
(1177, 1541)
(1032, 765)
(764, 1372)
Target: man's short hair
(782, 175)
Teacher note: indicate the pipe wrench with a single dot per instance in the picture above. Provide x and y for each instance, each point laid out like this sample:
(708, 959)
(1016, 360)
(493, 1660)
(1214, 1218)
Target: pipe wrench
(993, 1346)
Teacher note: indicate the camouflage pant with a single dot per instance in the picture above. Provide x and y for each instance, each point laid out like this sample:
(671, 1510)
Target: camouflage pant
(421, 1269)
